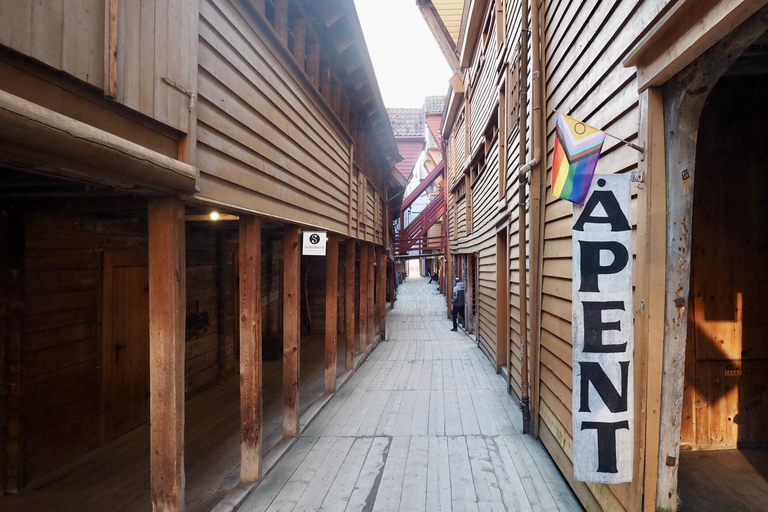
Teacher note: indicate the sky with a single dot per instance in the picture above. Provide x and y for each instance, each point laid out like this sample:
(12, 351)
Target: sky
(406, 58)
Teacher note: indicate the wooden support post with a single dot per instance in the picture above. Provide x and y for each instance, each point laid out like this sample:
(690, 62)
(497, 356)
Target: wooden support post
(313, 64)
(381, 292)
(349, 304)
(371, 288)
(363, 298)
(281, 21)
(291, 332)
(331, 311)
(249, 301)
(392, 287)
(300, 41)
(167, 316)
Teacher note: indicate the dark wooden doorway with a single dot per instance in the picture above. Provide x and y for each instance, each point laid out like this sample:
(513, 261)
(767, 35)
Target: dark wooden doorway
(725, 402)
(124, 343)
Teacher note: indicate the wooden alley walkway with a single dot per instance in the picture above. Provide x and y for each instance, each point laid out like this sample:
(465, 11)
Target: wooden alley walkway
(425, 424)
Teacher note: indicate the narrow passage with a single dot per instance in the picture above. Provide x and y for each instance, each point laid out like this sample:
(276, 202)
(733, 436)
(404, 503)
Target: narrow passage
(425, 424)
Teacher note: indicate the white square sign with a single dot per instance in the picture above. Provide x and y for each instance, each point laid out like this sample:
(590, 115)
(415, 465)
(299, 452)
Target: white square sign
(314, 243)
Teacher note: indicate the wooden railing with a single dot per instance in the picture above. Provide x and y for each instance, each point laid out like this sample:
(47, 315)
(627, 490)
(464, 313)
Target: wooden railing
(415, 231)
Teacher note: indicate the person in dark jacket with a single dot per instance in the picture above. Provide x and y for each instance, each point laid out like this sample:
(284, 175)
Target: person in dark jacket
(458, 303)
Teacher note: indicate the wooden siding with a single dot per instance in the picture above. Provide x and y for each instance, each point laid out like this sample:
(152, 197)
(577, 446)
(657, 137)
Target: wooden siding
(264, 143)
(154, 40)
(587, 80)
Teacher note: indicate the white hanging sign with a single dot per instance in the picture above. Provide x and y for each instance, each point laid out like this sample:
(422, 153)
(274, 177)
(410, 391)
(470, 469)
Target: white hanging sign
(314, 243)
(603, 334)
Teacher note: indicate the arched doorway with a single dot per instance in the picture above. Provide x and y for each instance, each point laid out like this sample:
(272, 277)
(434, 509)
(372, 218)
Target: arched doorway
(715, 350)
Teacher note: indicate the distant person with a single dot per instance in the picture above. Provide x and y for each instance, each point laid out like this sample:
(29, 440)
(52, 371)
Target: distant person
(433, 278)
(458, 303)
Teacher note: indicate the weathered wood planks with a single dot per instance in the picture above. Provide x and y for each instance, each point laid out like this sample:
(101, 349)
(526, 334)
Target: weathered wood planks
(249, 302)
(167, 292)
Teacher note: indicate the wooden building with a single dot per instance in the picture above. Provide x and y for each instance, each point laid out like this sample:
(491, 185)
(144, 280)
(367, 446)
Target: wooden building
(679, 79)
(162, 338)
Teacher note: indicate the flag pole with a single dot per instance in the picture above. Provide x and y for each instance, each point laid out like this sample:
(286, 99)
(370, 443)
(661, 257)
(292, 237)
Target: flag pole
(625, 142)
(637, 148)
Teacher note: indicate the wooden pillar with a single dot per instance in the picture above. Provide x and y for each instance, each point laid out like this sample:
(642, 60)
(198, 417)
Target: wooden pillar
(291, 332)
(370, 323)
(281, 21)
(363, 297)
(349, 304)
(392, 286)
(381, 292)
(300, 42)
(167, 315)
(331, 311)
(249, 300)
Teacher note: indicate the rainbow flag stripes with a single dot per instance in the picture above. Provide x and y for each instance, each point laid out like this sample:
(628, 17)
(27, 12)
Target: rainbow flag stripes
(577, 150)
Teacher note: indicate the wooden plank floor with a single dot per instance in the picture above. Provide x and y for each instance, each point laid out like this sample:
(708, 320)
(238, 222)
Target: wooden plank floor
(724, 480)
(116, 477)
(424, 425)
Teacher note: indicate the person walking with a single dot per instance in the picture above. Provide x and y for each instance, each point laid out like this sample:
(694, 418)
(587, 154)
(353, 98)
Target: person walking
(458, 303)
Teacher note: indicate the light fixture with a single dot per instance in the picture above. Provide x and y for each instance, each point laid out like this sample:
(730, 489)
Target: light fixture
(215, 216)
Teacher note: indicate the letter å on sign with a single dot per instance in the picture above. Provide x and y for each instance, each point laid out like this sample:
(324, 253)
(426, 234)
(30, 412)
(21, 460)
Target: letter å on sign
(603, 344)
(313, 243)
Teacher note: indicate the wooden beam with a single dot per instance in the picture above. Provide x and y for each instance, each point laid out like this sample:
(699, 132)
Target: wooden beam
(281, 21)
(249, 300)
(291, 332)
(325, 82)
(111, 8)
(167, 315)
(371, 288)
(349, 303)
(313, 64)
(331, 311)
(363, 298)
(300, 41)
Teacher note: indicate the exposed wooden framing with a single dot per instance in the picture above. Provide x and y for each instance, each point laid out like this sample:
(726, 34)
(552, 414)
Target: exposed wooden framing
(381, 291)
(349, 304)
(363, 298)
(291, 331)
(371, 288)
(249, 300)
(111, 8)
(300, 41)
(313, 64)
(167, 306)
(331, 311)
(281, 21)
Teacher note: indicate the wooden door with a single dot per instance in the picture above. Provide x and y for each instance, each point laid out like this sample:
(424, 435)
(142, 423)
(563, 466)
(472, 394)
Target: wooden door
(125, 343)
